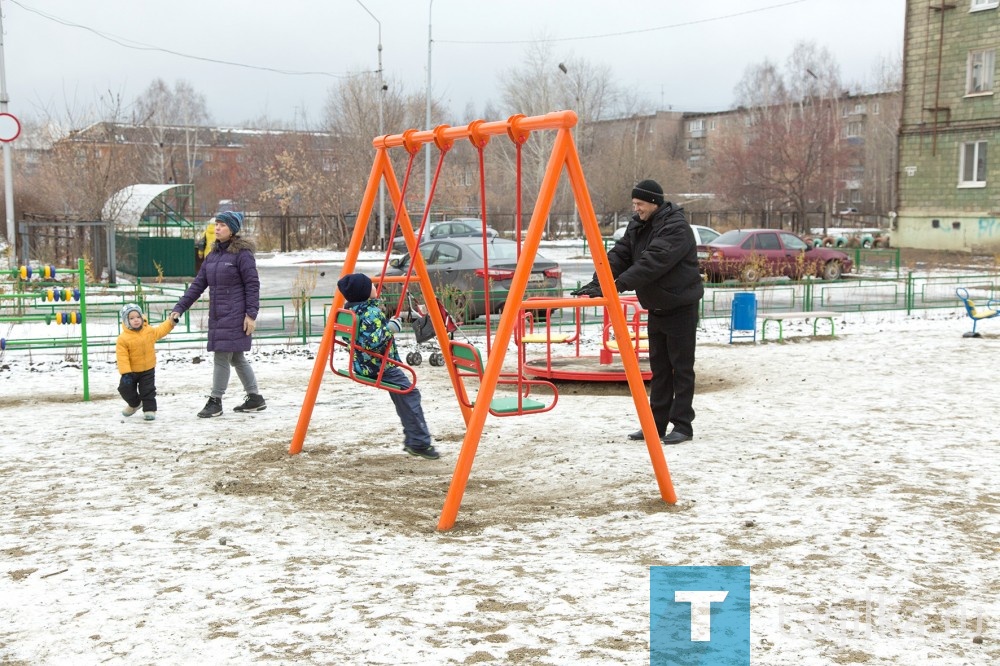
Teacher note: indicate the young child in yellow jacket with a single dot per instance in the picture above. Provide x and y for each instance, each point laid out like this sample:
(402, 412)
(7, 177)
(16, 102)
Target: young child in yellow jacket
(137, 360)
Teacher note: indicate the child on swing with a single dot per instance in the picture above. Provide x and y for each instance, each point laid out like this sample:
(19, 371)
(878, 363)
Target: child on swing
(376, 332)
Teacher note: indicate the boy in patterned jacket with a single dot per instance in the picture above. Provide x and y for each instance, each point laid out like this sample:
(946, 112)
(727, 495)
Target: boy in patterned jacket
(137, 361)
(376, 332)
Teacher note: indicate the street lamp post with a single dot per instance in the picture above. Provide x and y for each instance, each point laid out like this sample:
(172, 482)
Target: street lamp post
(427, 117)
(576, 88)
(381, 131)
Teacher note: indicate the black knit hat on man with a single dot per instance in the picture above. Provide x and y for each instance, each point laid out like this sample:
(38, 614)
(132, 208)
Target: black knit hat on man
(649, 191)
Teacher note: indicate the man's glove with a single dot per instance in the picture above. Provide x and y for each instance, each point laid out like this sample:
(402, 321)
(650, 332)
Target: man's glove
(395, 325)
(175, 317)
(592, 289)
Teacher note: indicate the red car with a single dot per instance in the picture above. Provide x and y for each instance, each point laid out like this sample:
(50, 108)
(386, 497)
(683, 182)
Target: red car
(751, 254)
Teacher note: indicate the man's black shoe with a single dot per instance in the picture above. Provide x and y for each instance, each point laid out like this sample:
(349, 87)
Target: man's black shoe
(637, 436)
(676, 437)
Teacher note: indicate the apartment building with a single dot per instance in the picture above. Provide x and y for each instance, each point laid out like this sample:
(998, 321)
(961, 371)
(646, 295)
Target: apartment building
(948, 189)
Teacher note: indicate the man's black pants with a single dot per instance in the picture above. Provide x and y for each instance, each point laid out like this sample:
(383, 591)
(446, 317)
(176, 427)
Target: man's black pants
(671, 359)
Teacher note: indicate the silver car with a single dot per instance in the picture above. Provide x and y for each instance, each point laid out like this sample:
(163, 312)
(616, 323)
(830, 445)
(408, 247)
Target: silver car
(464, 227)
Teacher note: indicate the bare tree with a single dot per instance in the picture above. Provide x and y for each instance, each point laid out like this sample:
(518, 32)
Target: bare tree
(180, 111)
(882, 130)
(542, 83)
(761, 87)
(789, 154)
(85, 168)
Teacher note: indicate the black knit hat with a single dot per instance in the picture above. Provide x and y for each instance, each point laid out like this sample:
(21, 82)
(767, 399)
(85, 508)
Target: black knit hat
(648, 190)
(356, 287)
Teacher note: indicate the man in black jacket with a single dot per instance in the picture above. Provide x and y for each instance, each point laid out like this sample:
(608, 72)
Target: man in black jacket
(658, 258)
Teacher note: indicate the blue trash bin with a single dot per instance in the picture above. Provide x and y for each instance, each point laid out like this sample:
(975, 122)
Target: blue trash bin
(744, 316)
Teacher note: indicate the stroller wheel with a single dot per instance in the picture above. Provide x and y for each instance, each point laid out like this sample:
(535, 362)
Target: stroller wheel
(413, 358)
(437, 359)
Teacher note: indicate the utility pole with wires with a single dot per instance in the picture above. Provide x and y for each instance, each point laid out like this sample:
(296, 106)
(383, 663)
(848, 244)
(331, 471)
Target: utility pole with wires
(8, 176)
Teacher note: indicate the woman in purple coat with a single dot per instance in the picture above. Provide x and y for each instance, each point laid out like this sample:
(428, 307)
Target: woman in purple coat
(230, 273)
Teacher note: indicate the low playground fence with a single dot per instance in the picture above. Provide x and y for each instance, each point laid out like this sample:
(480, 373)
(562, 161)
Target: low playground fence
(48, 298)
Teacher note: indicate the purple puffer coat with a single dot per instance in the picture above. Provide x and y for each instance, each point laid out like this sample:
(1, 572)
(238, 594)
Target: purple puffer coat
(230, 273)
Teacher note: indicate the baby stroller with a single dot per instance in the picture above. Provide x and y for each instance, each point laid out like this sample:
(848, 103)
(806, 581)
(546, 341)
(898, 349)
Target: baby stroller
(423, 331)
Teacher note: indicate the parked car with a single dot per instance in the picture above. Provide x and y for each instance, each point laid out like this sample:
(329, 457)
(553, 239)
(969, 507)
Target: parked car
(702, 235)
(456, 269)
(750, 254)
(465, 227)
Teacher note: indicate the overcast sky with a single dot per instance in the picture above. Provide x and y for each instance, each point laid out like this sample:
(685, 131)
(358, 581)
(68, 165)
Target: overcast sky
(683, 55)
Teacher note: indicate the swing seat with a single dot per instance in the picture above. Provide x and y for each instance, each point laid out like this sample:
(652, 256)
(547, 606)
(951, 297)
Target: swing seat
(508, 406)
(469, 363)
(976, 313)
(371, 381)
(345, 334)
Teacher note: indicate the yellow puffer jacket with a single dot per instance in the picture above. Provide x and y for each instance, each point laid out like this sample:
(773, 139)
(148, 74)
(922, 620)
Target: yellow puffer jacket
(135, 348)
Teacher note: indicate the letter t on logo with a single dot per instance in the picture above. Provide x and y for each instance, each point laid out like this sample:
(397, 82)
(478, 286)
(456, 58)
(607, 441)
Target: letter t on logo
(701, 610)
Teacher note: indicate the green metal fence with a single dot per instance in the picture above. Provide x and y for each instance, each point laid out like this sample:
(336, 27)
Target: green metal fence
(300, 319)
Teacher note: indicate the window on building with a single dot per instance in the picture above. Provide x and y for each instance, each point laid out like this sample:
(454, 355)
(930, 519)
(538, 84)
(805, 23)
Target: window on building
(855, 196)
(978, 5)
(696, 128)
(973, 165)
(854, 129)
(875, 108)
(979, 73)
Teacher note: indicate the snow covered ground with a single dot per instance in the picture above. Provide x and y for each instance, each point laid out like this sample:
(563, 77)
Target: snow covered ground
(856, 476)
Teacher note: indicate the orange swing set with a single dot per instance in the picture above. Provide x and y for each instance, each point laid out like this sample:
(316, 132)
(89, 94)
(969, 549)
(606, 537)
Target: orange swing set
(462, 360)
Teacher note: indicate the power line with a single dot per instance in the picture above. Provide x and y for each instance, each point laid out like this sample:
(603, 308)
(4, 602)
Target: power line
(139, 46)
(623, 33)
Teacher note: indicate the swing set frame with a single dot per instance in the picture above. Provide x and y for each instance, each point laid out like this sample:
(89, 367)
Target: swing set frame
(517, 128)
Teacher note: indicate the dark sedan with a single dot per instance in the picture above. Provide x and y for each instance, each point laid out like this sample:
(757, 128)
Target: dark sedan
(751, 254)
(457, 269)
